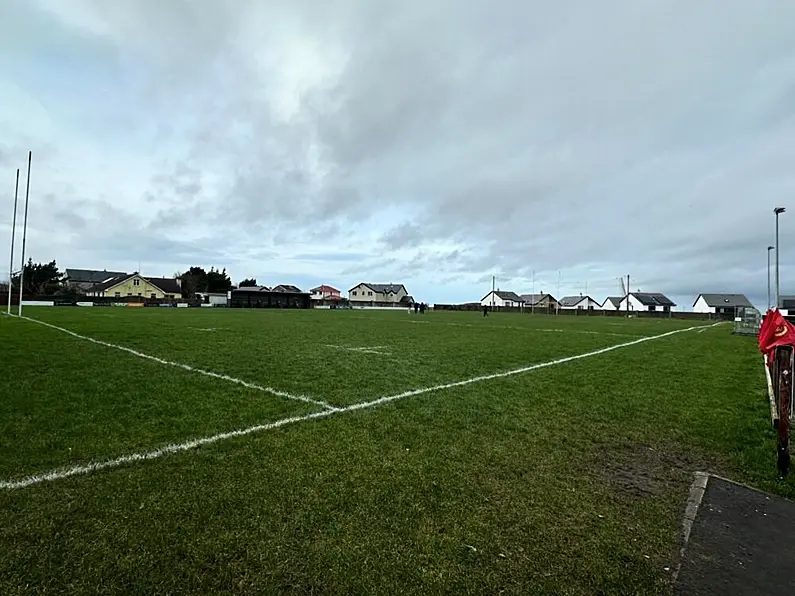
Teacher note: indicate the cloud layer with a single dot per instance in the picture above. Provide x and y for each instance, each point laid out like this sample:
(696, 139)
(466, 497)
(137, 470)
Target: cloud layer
(436, 144)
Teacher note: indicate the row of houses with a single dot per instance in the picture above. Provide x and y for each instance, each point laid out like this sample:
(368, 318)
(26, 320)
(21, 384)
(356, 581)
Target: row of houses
(634, 301)
(117, 284)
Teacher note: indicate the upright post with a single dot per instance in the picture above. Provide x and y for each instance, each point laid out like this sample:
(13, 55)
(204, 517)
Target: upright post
(778, 211)
(13, 230)
(24, 236)
(628, 292)
(769, 248)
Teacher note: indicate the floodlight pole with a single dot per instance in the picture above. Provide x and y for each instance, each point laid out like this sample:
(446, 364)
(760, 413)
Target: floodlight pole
(13, 229)
(24, 236)
(769, 248)
(778, 211)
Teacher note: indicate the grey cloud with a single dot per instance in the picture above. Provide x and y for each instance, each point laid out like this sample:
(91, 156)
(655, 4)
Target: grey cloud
(536, 137)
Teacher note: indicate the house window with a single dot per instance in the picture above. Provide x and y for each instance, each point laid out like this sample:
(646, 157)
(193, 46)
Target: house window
(129, 293)
(136, 282)
(369, 293)
(117, 294)
(354, 292)
(154, 296)
(139, 293)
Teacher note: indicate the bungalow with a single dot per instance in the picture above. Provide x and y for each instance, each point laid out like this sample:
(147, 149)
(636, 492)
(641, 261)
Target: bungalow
(579, 303)
(719, 304)
(611, 303)
(644, 301)
(539, 301)
(382, 294)
(134, 284)
(500, 298)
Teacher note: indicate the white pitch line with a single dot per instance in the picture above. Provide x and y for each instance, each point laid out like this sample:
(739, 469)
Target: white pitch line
(363, 350)
(67, 472)
(207, 373)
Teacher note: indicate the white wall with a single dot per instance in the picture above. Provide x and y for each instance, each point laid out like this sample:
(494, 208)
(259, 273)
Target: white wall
(634, 304)
(498, 301)
(702, 306)
(365, 294)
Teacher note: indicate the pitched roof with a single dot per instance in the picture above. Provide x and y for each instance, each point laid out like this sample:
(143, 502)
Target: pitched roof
(286, 288)
(90, 275)
(536, 298)
(513, 296)
(653, 299)
(382, 288)
(112, 281)
(252, 289)
(613, 300)
(725, 300)
(167, 285)
(571, 300)
(324, 288)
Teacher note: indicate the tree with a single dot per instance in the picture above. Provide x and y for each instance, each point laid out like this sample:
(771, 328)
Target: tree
(218, 281)
(248, 283)
(40, 279)
(196, 279)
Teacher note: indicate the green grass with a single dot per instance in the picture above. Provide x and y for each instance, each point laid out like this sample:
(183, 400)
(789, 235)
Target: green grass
(563, 480)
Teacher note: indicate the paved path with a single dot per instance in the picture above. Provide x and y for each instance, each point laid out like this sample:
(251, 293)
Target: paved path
(742, 542)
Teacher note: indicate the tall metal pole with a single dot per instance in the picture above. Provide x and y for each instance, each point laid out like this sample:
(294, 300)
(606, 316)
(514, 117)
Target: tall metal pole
(778, 211)
(24, 236)
(769, 248)
(493, 281)
(13, 229)
(533, 295)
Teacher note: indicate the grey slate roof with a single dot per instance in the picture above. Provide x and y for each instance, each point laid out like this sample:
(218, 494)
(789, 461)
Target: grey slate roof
(725, 300)
(90, 275)
(613, 301)
(384, 288)
(536, 298)
(652, 299)
(286, 288)
(168, 285)
(513, 296)
(112, 281)
(252, 289)
(571, 300)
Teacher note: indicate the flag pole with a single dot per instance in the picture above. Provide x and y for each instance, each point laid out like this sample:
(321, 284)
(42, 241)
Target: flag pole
(24, 236)
(13, 229)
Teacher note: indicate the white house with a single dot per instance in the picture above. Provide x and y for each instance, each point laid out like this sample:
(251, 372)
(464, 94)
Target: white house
(500, 298)
(642, 301)
(366, 293)
(579, 303)
(717, 304)
(214, 298)
(611, 303)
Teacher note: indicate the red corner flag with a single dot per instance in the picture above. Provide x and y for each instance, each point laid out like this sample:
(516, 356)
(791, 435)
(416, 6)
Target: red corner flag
(775, 331)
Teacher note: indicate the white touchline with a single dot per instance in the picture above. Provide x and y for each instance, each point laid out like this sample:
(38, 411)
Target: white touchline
(364, 350)
(66, 472)
(187, 367)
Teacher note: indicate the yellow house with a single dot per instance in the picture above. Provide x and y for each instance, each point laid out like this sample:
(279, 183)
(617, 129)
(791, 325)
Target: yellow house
(122, 286)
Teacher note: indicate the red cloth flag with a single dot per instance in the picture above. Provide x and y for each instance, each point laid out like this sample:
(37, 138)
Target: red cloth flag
(775, 331)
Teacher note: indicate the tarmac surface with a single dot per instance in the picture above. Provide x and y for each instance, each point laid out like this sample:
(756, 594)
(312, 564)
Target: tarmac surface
(741, 542)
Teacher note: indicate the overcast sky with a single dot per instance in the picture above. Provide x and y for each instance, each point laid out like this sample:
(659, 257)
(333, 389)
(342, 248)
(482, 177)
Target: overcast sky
(434, 143)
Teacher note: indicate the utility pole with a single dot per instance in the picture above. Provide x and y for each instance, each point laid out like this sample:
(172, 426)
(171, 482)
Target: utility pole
(493, 282)
(13, 229)
(628, 292)
(533, 295)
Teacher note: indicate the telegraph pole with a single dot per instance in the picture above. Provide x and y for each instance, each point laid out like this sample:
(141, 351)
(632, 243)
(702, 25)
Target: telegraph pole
(24, 235)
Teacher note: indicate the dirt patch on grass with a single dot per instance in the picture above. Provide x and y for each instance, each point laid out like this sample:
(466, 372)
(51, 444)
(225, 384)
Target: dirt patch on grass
(639, 470)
